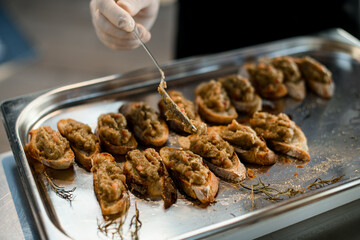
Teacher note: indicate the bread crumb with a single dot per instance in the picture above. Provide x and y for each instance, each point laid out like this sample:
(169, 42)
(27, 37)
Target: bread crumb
(250, 173)
(295, 174)
(300, 166)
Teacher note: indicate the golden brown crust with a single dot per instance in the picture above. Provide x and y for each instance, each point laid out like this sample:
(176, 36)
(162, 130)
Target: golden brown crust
(63, 162)
(82, 156)
(204, 193)
(160, 139)
(121, 205)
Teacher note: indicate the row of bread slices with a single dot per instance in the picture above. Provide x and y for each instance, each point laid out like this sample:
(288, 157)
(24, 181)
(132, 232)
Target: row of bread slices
(276, 77)
(220, 101)
(144, 172)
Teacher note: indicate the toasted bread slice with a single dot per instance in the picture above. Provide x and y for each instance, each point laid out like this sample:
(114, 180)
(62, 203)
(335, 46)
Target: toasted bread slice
(293, 80)
(281, 134)
(297, 148)
(218, 155)
(195, 179)
(50, 148)
(241, 93)
(147, 125)
(114, 135)
(267, 80)
(82, 141)
(213, 103)
(146, 174)
(317, 76)
(249, 147)
(296, 90)
(249, 107)
(325, 90)
(109, 185)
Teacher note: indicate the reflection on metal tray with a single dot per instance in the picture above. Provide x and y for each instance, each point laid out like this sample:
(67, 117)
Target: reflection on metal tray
(332, 128)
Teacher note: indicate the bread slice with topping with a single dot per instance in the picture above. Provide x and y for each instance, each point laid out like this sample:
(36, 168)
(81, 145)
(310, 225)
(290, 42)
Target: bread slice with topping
(147, 125)
(317, 76)
(146, 174)
(109, 185)
(50, 148)
(218, 155)
(114, 134)
(281, 134)
(213, 103)
(250, 147)
(190, 174)
(82, 141)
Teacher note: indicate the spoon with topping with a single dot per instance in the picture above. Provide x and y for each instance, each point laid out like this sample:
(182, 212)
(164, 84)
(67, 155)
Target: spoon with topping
(173, 111)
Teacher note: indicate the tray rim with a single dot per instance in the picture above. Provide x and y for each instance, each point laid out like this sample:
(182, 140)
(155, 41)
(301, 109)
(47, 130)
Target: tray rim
(47, 227)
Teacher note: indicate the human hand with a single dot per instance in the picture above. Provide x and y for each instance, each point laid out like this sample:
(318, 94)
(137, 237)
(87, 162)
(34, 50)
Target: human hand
(115, 21)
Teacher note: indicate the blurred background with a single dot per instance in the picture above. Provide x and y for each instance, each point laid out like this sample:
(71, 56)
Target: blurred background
(48, 43)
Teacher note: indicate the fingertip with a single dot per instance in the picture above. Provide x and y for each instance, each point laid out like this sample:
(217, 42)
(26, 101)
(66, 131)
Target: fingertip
(144, 34)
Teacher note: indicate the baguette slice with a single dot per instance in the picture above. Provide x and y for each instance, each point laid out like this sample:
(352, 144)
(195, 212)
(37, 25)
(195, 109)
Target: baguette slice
(281, 134)
(296, 90)
(139, 113)
(204, 192)
(293, 80)
(109, 185)
(241, 93)
(146, 174)
(246, 143)
(50, 148)
(83, 142)
(267, 80)
(119, 140)
(298, 147)
(215, 151)
(248, 107)
(317, 76)
(222, 111)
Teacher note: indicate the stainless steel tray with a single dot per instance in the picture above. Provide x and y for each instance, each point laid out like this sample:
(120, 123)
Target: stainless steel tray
(331, 126)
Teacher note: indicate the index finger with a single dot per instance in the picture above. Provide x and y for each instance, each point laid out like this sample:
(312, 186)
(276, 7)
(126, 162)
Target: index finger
(115, 14)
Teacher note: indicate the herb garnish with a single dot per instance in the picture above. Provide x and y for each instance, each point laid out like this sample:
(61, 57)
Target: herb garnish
(60, 191)
(113, 225)
(135, 221)
(273, 194)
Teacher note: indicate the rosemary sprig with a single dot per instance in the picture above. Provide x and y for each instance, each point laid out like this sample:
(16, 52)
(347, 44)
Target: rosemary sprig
(135, 220)
(60, 191)
(112, 226)
(273, 194)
